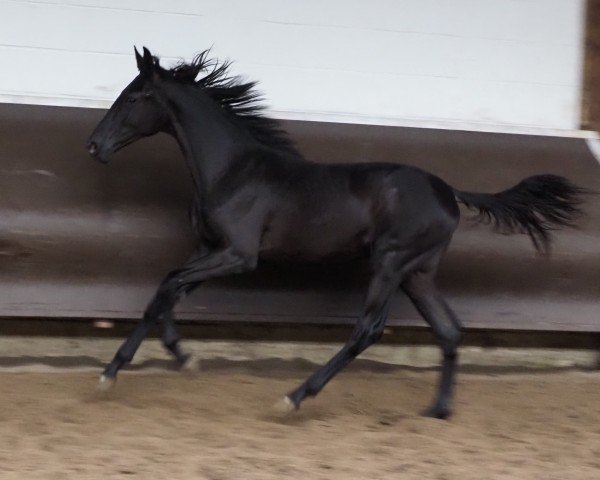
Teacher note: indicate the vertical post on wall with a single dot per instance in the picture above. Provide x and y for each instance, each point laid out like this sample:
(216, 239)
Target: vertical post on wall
(590, 111)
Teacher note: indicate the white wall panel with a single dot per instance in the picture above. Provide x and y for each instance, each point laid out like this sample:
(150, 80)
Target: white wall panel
(467, 63)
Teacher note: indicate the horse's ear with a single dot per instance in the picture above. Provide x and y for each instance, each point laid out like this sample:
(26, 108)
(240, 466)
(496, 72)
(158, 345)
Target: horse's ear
(147, 55)
(139, 59)
(145, 63)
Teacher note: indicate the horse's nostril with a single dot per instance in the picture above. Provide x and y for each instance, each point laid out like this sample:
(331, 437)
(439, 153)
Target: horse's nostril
(92, 147)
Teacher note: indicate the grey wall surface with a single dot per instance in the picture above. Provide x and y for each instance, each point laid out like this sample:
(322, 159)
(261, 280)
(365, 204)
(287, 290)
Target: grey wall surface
(80, 239)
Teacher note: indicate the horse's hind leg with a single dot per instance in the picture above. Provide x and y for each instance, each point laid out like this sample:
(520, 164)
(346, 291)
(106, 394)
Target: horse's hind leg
(386, 277)
(421, 289)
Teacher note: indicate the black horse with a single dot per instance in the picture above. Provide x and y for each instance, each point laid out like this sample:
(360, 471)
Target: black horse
(258, 198)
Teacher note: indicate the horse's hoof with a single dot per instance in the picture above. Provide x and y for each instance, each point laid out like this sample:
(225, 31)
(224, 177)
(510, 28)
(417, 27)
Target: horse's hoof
(284, 407)
(191, 365)
(105, 383)
(438, 411)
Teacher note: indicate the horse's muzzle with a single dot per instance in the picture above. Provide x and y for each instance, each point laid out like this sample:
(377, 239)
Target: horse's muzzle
(96, 152)
(92, 148)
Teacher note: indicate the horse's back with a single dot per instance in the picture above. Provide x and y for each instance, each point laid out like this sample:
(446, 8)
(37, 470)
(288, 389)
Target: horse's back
(342, 209)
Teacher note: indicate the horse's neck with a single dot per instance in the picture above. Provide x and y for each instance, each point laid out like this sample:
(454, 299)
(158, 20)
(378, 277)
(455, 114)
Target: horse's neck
(208, 139)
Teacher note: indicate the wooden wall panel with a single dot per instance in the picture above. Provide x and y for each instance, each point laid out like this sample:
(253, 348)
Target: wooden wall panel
(591, 97)
(81, 239)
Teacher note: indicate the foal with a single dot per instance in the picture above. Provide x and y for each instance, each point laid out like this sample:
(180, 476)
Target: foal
(258, 198)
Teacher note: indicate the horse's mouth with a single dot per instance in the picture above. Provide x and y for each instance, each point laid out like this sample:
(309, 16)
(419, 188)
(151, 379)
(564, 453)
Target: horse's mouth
(92, 148)
(103, 154)
(96, 152)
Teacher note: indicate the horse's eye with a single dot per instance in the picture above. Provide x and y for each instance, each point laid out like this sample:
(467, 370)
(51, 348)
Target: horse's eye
(148, 95)
(131, 99)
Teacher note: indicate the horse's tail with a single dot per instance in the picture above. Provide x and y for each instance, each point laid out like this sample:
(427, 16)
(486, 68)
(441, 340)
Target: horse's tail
(535, 206)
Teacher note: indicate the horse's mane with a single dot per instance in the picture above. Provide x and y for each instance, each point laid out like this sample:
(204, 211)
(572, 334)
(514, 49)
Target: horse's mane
(237, 97)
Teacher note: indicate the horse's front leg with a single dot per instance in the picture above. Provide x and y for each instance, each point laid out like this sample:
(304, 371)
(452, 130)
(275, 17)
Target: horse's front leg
(170, 335)
(196, 270)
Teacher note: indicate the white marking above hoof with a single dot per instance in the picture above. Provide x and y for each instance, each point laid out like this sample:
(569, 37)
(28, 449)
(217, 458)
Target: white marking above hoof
(191, 366)
(105, 383)
(284, 407)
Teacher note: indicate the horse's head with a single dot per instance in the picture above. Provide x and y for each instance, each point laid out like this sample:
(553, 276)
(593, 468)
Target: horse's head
(135, 114)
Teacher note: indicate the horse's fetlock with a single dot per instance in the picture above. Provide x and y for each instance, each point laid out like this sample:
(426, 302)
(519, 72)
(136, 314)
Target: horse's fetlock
(450, 352)
(249, 262)
(124, 357)
(449, 348)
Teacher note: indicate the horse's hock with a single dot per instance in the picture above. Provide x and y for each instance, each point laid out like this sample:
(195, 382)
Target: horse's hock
(81, 240)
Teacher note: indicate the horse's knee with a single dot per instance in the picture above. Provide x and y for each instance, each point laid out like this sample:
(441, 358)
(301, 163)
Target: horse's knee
(162, 303)
(374, 335)
(246, 262)
(366, 335)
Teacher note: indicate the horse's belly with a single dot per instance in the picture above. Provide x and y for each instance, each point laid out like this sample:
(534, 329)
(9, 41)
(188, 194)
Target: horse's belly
(317, 240)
